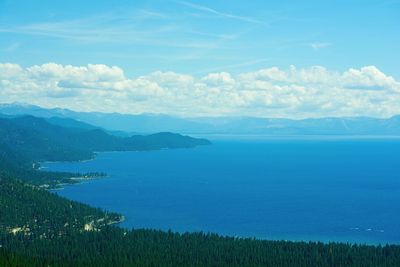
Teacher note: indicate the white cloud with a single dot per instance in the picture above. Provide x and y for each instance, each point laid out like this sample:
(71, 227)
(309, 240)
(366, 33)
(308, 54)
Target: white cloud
(169, 79)
(369, 77)
(270, 92)
(219, 79)
(89, 73)
(8, 70)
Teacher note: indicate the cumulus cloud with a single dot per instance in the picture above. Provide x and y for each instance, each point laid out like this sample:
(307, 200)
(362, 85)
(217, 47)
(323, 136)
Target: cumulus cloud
(270, 92)
(219, 79)
(369, 77)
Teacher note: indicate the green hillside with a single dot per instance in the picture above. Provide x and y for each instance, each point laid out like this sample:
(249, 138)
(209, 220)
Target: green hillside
(26, 141)
(38, 140)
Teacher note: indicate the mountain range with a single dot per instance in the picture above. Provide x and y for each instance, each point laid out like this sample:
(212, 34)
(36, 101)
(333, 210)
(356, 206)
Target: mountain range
(126, 124)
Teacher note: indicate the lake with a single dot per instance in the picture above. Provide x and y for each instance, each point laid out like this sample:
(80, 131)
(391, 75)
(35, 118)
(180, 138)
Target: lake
(326, 189)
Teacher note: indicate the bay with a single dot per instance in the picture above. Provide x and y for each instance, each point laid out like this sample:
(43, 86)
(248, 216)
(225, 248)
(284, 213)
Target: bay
(314, 188)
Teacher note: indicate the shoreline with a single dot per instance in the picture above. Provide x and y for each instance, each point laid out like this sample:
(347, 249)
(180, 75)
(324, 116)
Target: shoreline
(75, 181)
(120, 220)
(285, 239)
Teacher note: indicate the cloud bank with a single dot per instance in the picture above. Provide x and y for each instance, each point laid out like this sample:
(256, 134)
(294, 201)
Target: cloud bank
(270, 92)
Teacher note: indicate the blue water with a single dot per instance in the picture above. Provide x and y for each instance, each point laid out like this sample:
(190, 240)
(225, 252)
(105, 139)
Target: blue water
(323, 189)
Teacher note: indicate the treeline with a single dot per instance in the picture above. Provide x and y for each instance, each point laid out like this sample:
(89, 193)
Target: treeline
(51, 231)
(46, 179)
(117, 247)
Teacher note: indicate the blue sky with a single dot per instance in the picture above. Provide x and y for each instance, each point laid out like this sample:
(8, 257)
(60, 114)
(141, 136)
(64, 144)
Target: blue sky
(198, 38)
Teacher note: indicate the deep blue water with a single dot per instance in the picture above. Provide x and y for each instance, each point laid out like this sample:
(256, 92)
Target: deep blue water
(293, 189)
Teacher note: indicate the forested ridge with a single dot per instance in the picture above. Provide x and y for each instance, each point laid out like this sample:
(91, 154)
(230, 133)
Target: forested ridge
(26, 141)
(39, 228)
(36, 139)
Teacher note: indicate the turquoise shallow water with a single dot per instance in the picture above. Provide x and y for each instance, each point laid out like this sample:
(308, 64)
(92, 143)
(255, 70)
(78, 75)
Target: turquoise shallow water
(327, 189)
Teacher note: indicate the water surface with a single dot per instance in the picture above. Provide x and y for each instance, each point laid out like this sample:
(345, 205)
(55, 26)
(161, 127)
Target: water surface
(327, 189)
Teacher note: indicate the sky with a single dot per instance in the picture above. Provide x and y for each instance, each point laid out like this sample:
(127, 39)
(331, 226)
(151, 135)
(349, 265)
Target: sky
(291, 59)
